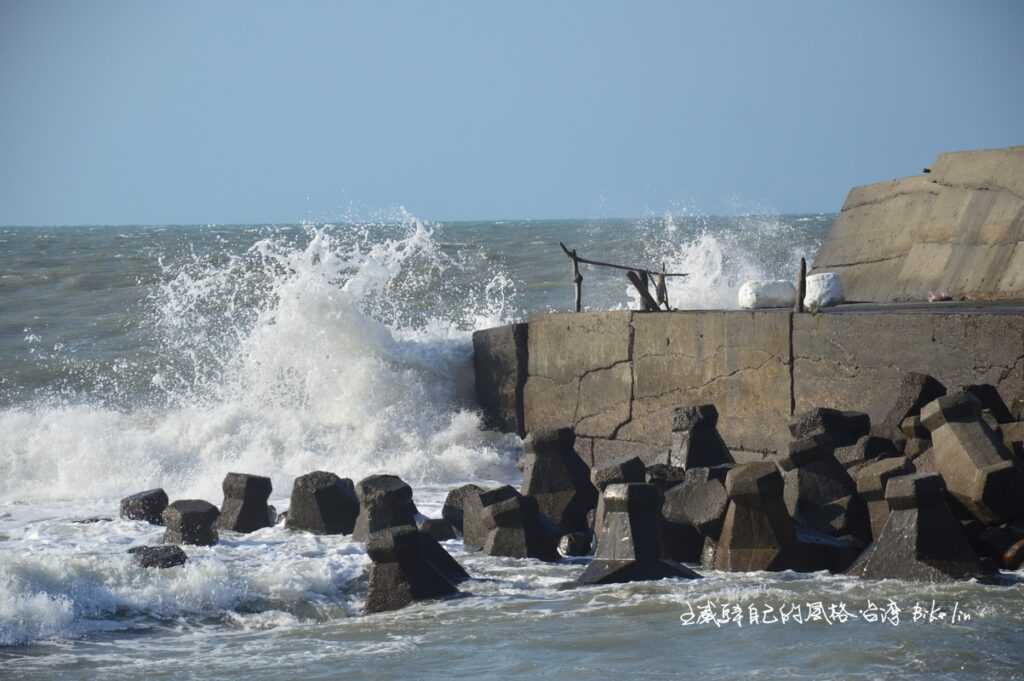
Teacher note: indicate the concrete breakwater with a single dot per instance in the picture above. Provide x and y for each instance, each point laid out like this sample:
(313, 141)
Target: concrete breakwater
(955, 231)
(616, 376)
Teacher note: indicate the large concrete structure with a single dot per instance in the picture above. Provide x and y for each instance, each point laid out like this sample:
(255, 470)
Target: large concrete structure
(616, 376)
(958, 229)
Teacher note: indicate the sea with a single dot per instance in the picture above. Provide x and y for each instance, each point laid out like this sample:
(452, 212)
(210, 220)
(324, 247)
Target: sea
(134, 357)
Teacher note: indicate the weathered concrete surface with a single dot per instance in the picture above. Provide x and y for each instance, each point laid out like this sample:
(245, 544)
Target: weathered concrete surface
(958, 229)
(854, 361)
(579, 372)
(499, 363)
(616, 377)
(738, 361)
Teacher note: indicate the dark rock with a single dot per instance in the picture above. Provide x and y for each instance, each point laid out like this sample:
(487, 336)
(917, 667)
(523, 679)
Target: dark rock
(1003, 544)
(867, 448)
(403, 570)
(630, 470)
(1017, 408)
(440, 559)
(191, 521)
(165, 556)
(699, 501)
(322, 503)
(843, 427)
(620, 473)
(925, 462)
(384, 501)
(991, 401)
(453, 505)
(845, 516)
(1013, 437)
(515, 526)
(819, 490)
(956, 408)
(438, 528)
(758, 533)
(912, 427)
(819, 550)
(695, 438)
(664, 477)
(921, 540)
(871, 482)
(558, 478)
(973, 461)
(148, 506)
(245, 506)
(693, 512)
(915, 390)
(694, 418)
(628, 548)
(916, 446)
(474, 534)
(576, 544)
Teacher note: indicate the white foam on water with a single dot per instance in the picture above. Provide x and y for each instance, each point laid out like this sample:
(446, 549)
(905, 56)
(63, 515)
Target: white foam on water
(283, 360)
(291, 357)
(719, 260)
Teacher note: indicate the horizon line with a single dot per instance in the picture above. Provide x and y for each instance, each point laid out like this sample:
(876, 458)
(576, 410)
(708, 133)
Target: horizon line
(350, 222)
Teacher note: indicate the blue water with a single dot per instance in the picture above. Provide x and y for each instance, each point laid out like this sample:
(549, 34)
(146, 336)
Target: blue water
(134, 357)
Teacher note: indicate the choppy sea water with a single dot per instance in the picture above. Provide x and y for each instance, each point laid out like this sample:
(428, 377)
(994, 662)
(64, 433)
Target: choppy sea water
(134, 357)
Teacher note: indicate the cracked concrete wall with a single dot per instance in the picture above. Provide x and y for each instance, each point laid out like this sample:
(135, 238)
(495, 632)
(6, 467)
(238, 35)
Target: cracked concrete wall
(854, 361)
(616, 376)
(958, 229)
(737, 360)
(580, 373)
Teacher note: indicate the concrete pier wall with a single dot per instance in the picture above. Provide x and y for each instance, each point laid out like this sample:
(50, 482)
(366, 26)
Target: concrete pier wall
(616, 376)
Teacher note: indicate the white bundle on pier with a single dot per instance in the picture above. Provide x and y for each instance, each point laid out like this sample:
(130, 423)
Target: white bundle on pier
(823, 290)
(761, 294)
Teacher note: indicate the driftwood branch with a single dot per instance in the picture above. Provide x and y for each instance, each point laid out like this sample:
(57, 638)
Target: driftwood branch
(639, 282)
(638, 276)
(586, 261)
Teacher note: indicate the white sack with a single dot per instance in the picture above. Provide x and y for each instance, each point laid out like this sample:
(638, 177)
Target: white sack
(823, 290)
(759, 294)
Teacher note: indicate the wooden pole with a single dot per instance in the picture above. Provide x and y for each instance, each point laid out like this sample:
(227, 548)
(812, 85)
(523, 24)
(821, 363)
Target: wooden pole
(801, 289)
(661, 288)
(640, 284)
(577, 280)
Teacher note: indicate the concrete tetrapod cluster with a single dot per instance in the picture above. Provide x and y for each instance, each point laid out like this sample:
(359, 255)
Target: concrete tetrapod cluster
(934, 492)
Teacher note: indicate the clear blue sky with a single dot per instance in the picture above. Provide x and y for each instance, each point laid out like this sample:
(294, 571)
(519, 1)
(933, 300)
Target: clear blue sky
(197, 112)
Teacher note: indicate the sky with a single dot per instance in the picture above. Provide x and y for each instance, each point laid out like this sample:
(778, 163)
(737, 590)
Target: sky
(184, 112)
